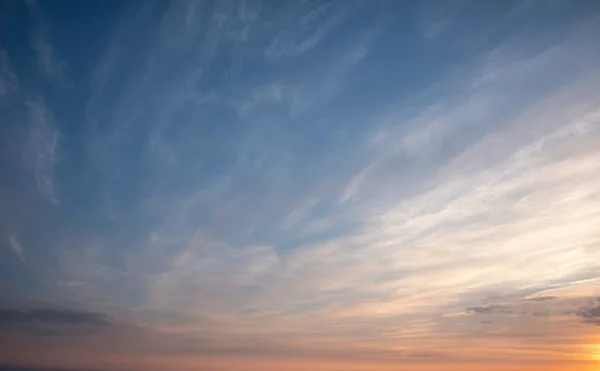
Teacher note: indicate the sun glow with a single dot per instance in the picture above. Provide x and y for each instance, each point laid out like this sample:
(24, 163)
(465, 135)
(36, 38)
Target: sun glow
(594, 351)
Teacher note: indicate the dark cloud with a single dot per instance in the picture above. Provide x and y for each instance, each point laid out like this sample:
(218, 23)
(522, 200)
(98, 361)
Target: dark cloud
(12, 316)
(590, 315)
(33, 368)
(546, 306)
(488, 309)
(27, 368)
(541, 298)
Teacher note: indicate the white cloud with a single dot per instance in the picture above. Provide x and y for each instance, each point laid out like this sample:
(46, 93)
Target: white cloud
(481, 102)
(16, 247)
(300, 214)
(313, 93)
(305, 29)
(264, 95)
(514, 210)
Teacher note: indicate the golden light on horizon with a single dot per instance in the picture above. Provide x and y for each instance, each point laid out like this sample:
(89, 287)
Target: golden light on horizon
(593, 351)
(596, 353)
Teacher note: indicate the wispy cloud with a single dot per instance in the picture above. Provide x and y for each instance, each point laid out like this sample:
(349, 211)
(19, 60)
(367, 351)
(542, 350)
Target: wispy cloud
(436, 21)
(309, 95)
(591, 312)
(305, 27)
(11, 316)
(49, 63)
(264, 95)
(241, 201)
(51, 67)
(17, 248)
(8, 80)
(476, 221)
(40, 151)
(476, 107)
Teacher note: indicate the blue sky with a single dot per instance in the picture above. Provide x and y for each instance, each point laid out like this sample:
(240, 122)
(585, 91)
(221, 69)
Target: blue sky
(396, 182)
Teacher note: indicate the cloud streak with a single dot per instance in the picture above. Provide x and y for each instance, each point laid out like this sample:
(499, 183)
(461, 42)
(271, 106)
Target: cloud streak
(469, 232)
(310, 24)
(40, 151)
(49, 63)
(17, 248)
(52, 315)
(8, 80)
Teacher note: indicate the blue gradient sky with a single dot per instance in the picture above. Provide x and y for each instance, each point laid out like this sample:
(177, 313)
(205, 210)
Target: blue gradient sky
(391, 183)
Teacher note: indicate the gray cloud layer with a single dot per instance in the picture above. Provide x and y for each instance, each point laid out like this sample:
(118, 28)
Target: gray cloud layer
(59, 316)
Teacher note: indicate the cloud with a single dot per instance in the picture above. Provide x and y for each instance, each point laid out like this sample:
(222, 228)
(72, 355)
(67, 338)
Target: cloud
(12, 316)
(590, 315)
(17, 248)
(40, 151)
(515, 314)
(309, 95)
(437, 21)
(49, 63)
(485, 187)
(299, 214)
(13, 367)
(52, 68)
(8, 80)
(501, 213)
(410, 259)
(263, 95)
(305, 27)
(541, 298)
(490, 309)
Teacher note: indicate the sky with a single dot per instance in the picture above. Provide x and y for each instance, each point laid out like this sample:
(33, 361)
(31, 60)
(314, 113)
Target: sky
(300, 185)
